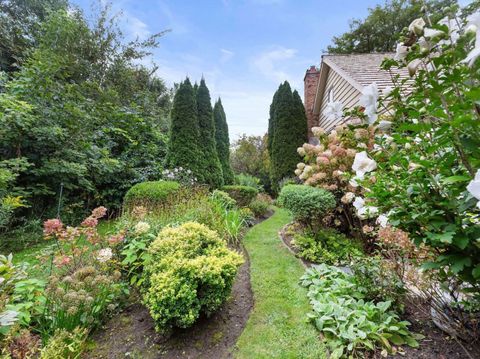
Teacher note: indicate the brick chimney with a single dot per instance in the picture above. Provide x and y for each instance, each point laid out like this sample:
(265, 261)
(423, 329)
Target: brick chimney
(310, 90)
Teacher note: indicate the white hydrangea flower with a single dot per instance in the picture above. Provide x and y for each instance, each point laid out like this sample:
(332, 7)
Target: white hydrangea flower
(474, 187)
(142, 227)
(384, 125)
(104, 255)
(432, 33)
(367, 212)
(473, 21)
(363, 164)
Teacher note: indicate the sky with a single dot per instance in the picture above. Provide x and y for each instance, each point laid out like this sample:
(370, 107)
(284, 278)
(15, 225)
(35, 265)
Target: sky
(243, 48)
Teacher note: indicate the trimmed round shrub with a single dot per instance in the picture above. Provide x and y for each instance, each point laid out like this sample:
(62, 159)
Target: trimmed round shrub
(223, 198)
(191, 272)
(307, 204)
(242, 194)
(151, 193)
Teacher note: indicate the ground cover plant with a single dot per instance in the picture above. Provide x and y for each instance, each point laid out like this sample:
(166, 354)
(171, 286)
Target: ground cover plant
(350, 323)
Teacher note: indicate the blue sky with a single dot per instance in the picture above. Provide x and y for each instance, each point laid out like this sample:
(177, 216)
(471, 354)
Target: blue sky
(243, 48)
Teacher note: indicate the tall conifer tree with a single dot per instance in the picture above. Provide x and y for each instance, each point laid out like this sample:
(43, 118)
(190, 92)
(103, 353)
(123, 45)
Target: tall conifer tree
(183, 146)
(209, 163)
(223, 141)
(289, 130)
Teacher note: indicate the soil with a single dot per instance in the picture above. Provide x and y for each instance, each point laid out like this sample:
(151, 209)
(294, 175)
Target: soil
(132, 333)
(436, 344)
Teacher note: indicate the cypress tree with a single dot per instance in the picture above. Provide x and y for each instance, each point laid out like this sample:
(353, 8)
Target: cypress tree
(289, 132)
(209, 164)
(222, 141)
(183, 146)
(271, 121)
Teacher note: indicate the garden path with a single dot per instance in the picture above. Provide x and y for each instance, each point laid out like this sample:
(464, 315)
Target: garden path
(277, 327)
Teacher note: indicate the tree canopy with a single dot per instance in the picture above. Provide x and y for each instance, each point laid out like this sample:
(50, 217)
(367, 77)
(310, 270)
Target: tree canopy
(379, 31)
(222, 141)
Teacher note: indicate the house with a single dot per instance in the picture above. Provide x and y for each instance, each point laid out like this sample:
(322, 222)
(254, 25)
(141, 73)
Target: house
(342, 78)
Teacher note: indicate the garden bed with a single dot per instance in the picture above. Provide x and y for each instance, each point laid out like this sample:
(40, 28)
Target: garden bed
(435, 345)
(133, 330)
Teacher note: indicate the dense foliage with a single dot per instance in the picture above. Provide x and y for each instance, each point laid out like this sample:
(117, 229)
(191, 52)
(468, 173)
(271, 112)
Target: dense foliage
(288, 130)
(82, 116)
(378, 32)
(150, 194)
(308, 204)
(250, 158)
(191, 272)
(243, 195)
(349, 322)
(222, 140)
(326, 246)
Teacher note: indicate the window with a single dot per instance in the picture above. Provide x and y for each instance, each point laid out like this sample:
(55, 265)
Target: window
(330, 95)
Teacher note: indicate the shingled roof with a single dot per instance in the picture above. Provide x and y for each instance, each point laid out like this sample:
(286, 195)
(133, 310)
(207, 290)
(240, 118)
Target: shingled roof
(363, 69)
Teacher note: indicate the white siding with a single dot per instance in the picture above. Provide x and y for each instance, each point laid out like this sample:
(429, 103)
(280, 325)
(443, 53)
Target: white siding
(343, 92)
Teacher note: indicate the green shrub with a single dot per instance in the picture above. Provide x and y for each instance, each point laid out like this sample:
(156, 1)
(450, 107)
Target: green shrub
(151, 194)
(243, 179)
(223, 198)
(327, 246)
(242, 194)
(260, 205)
(307, 204)
(65, 344)
(191, 272)
(349, 323)
(379, 281)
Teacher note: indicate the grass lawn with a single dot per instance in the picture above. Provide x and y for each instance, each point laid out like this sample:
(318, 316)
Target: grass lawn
(277, 327)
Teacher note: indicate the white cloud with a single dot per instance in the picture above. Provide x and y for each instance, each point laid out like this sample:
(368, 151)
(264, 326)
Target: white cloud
(273, 63)
(135, 28)
(226, 55)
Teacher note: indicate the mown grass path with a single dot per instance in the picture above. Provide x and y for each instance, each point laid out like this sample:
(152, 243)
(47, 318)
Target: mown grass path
(277, 327)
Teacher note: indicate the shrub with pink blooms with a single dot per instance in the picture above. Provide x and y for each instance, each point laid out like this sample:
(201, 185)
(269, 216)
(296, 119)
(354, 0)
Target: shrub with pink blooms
(84, 282)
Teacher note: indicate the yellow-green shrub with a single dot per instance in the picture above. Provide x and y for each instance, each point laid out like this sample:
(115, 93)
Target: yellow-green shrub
(191, 272)
(150, 194)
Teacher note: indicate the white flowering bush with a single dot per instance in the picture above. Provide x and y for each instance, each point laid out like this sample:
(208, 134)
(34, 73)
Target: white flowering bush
(420, 169)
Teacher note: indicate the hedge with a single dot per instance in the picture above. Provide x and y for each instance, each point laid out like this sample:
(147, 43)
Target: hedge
(151, 193)
(242, 194)
(307, 204)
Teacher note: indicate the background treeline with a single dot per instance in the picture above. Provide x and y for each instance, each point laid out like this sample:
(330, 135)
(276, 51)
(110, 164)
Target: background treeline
(82, 119)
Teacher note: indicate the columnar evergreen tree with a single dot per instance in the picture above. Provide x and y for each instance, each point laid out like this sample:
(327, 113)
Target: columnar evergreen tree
(289, 131)
(209, 163)
(183, 146)
(271, 121)
(222, 141)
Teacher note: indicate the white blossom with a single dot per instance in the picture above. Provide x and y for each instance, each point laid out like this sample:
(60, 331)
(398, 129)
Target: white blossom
(369, 100)
(417, 26)
(474, 187)
(401, 52)
(358, 203)
(387, 91)
(142, 227)
(432, 33)
(384, 125)
(474, 20)
(363, 164)
(413, 66)
(382, 220)
(333, 110)
(318, 131)
(367, 212)
(301, 151)
(104, 254)
(349, 197)
(453, 28)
